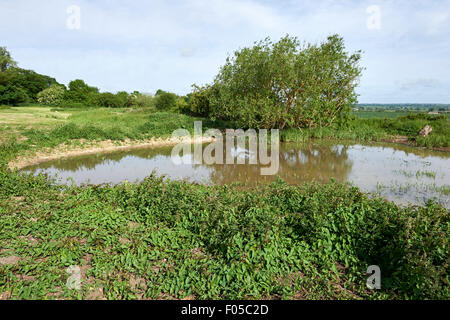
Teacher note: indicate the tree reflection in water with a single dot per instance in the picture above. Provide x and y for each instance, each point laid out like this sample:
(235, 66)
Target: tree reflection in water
(393, 167)
(297, 164)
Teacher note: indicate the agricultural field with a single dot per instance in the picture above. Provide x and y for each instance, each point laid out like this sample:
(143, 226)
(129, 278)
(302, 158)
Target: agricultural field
(387, 114)
(380, 114)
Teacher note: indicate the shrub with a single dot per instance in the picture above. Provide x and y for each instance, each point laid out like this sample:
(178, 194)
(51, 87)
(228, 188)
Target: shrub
(144, 101)
(181, 105)
(199, 100)
(13, 95)
(284, 84)
(52, 96)
(110, 100)
(79, 91)
(124, 99)
(165, 101)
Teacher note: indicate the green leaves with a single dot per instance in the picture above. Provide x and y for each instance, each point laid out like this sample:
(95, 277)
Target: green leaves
(178, 239)
(284, 84)
(51, 96)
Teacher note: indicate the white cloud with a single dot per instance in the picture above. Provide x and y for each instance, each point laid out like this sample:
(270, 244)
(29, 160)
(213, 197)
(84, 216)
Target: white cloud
(146, 45)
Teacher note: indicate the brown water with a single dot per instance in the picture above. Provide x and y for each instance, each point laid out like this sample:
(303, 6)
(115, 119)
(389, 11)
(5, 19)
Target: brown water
(399, 173)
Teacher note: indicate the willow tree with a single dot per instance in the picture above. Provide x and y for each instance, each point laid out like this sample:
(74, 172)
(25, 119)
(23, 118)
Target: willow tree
(286, 84)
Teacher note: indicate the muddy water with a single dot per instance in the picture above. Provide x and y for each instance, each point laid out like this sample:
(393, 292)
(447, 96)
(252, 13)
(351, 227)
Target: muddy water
(399, 173)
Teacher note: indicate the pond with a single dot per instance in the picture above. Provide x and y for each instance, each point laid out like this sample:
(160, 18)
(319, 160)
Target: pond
(399, 173)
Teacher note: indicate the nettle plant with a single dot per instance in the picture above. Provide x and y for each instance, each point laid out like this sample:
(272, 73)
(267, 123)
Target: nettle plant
(287, 84)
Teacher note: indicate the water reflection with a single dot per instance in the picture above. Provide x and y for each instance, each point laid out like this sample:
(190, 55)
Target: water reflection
(398, 172)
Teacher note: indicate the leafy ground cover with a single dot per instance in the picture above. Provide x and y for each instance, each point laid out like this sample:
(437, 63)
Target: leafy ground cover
(175, 240)
(169, 240)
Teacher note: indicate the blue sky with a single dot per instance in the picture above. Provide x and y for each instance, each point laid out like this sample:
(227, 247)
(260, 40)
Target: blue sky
(147, 45)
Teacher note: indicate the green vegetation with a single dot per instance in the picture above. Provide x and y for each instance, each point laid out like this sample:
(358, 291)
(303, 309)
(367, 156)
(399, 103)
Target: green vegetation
(408, 107)
(19, 85)
(164, 239)
(54, 95)
(382, 129)
(34, 128)
(173, 240)
(285, 85)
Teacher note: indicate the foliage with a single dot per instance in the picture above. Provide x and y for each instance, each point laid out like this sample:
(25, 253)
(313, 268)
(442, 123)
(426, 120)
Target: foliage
(99, 124)
(144, 101)
(20, 85)
(124, 99)
(6, 60)
(200, 100)
(13, 95)
(183, 240)
(207, 242)
(107, 100)
(30, 81)
(382, 129)
(52, 96)
(79, 91)
(286, 84)
(181, 105)
(165, 101)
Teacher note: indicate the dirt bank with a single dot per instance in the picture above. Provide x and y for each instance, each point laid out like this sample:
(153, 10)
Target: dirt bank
(92, 147)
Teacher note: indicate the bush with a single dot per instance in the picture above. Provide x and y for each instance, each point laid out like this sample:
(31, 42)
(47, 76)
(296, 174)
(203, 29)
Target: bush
(144, 101)
(110, 100)
(79, 91)
(13, 95)
(181, 105)
(199, 100)
(284, 84)
(74, 105)
(165, 101)
(52, 96)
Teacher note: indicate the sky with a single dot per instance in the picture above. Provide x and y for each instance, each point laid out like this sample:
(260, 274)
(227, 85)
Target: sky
(171, 44)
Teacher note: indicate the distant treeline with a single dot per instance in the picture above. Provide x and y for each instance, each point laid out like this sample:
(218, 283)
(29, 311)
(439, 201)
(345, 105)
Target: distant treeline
(403, 106)
(258, 87)
(19, 86)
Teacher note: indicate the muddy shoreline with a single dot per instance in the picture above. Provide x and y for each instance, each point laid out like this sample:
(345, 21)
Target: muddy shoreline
(92, 147)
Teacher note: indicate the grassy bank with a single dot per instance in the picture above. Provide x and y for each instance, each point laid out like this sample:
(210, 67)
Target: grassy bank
(36, 127)
(162, 239)
(30, 129)
(382, 129)
(176, 240)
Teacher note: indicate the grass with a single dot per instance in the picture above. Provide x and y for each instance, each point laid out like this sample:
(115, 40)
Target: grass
(171, 240)
(379, 129)
(380, 114)
(33, 123)
(33, 128)
(384, 114)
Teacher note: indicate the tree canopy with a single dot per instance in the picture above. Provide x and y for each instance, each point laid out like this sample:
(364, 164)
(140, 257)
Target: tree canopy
(284, 84)
(6, 61)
